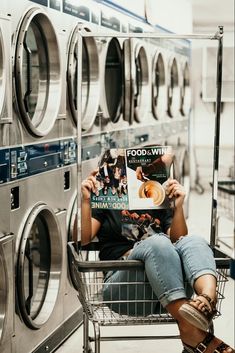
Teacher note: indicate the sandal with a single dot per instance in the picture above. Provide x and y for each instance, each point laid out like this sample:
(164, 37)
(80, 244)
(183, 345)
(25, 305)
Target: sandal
(202, 346)
(199, 317)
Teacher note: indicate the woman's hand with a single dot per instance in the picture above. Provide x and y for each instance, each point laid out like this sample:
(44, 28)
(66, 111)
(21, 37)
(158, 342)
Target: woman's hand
(89, 185)
(175, 190)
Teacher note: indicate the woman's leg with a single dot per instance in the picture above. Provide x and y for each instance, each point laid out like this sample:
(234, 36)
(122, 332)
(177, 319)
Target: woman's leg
(163, 279)
(200, 269)
(162, 266)
(164, 271)
(199, 264)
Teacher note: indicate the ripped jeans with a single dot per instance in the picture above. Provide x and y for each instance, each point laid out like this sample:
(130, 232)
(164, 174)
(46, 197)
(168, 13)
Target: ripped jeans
(167, 267)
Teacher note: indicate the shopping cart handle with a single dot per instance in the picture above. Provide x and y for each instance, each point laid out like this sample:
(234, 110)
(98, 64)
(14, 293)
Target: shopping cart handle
(95, 266)
(108, 265)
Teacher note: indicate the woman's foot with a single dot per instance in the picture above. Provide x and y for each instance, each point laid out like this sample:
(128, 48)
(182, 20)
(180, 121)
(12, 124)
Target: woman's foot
(195, 341)
(199, 311)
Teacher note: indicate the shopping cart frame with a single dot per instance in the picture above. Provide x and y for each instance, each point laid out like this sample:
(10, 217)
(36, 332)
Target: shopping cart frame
(80, 267)
(85, 276)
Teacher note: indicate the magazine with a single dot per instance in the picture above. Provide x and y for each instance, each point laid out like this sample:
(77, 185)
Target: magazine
(133, 178)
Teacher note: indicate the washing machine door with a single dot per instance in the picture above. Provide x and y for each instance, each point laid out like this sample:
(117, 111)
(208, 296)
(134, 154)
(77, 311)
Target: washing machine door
(90, 78)
(159, 87)
(140, 72)
(112, 80)
(6, 290)
(39, 266)
(173, 90)
(37, 73)
(185, 91)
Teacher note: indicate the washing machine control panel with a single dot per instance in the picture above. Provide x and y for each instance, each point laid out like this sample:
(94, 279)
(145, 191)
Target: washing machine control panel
(24, 161)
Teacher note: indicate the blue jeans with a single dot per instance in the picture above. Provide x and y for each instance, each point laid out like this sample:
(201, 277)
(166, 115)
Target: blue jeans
(167, 267)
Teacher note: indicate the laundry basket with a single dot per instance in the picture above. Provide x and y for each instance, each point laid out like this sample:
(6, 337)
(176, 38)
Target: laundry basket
(124, 307)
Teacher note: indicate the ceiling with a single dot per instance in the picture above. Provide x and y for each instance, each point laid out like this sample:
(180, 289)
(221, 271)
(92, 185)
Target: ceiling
(208, 13)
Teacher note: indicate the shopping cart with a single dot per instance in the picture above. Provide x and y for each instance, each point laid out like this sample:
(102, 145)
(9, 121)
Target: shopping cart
(123, 308)
(225, 235)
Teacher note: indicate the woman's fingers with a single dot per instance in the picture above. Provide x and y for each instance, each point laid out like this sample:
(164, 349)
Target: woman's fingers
(174, 188)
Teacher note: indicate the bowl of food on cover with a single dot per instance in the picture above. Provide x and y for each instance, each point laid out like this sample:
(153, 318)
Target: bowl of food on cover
(152, 189)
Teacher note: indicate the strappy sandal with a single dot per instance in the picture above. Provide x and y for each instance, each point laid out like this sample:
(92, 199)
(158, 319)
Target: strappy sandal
(200, 318)
(202, 346)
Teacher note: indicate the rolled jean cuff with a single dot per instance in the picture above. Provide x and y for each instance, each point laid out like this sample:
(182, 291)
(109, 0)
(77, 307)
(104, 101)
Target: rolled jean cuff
(169, 297)
(202, 273)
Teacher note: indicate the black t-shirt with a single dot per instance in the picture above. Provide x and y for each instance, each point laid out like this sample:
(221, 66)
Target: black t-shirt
(121, 229)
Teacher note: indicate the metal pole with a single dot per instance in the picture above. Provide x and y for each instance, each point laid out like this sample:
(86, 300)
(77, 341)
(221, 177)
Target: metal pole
(216, 138)
(149, 35)
(79, 132)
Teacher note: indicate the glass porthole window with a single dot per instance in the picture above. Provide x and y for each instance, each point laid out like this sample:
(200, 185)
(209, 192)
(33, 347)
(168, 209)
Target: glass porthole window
(173, 89)
(37, 73)
(159, 87)
(90, 79)
(185, 91)
(114, 80)
(141, 84)
(39, 266)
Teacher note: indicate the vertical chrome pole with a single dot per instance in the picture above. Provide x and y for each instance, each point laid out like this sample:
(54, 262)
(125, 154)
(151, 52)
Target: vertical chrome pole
(79, 133)
(216, 138)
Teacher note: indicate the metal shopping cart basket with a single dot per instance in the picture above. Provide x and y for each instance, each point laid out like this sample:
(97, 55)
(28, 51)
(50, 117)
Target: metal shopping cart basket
(124, 308)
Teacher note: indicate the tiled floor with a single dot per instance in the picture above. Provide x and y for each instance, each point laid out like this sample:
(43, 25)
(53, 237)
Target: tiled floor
(199, 223)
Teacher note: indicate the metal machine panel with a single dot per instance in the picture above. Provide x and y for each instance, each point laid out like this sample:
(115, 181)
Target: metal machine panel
(5, 80)
(7, 293)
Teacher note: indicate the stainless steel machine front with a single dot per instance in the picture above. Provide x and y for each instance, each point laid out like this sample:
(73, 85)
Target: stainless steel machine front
(7, 293)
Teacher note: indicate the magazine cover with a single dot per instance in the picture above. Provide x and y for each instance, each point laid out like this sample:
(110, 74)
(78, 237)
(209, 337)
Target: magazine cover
(148, 169)
(133, 178)
(112, 190)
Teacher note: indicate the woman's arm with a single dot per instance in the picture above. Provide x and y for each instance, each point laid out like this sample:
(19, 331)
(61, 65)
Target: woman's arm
(89, 226)
(178, 225)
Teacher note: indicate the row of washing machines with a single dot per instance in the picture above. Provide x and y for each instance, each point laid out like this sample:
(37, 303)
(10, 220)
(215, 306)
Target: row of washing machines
(134, 91)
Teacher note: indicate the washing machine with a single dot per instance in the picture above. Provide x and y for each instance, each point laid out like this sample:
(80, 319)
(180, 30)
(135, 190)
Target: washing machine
(38, 221)
(5, 80)
(7, 292)
(39, 76)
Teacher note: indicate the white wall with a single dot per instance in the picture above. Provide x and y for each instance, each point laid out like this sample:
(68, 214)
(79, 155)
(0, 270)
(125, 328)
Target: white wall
(175, 16)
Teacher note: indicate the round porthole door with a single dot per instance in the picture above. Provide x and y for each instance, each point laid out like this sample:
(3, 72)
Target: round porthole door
(159, 87)
(173, 91)
(37, 73)
(141, 94)
(90, 78)
(185, 91)
(39, 266)
(112, 90)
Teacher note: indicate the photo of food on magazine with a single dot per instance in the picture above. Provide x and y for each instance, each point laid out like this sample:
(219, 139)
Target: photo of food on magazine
(133, 178)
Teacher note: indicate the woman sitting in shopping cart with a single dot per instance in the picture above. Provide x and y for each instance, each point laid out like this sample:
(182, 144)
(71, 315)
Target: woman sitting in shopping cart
(167, 254)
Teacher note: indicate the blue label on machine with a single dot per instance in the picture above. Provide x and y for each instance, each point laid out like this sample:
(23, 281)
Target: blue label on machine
(23, 161)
